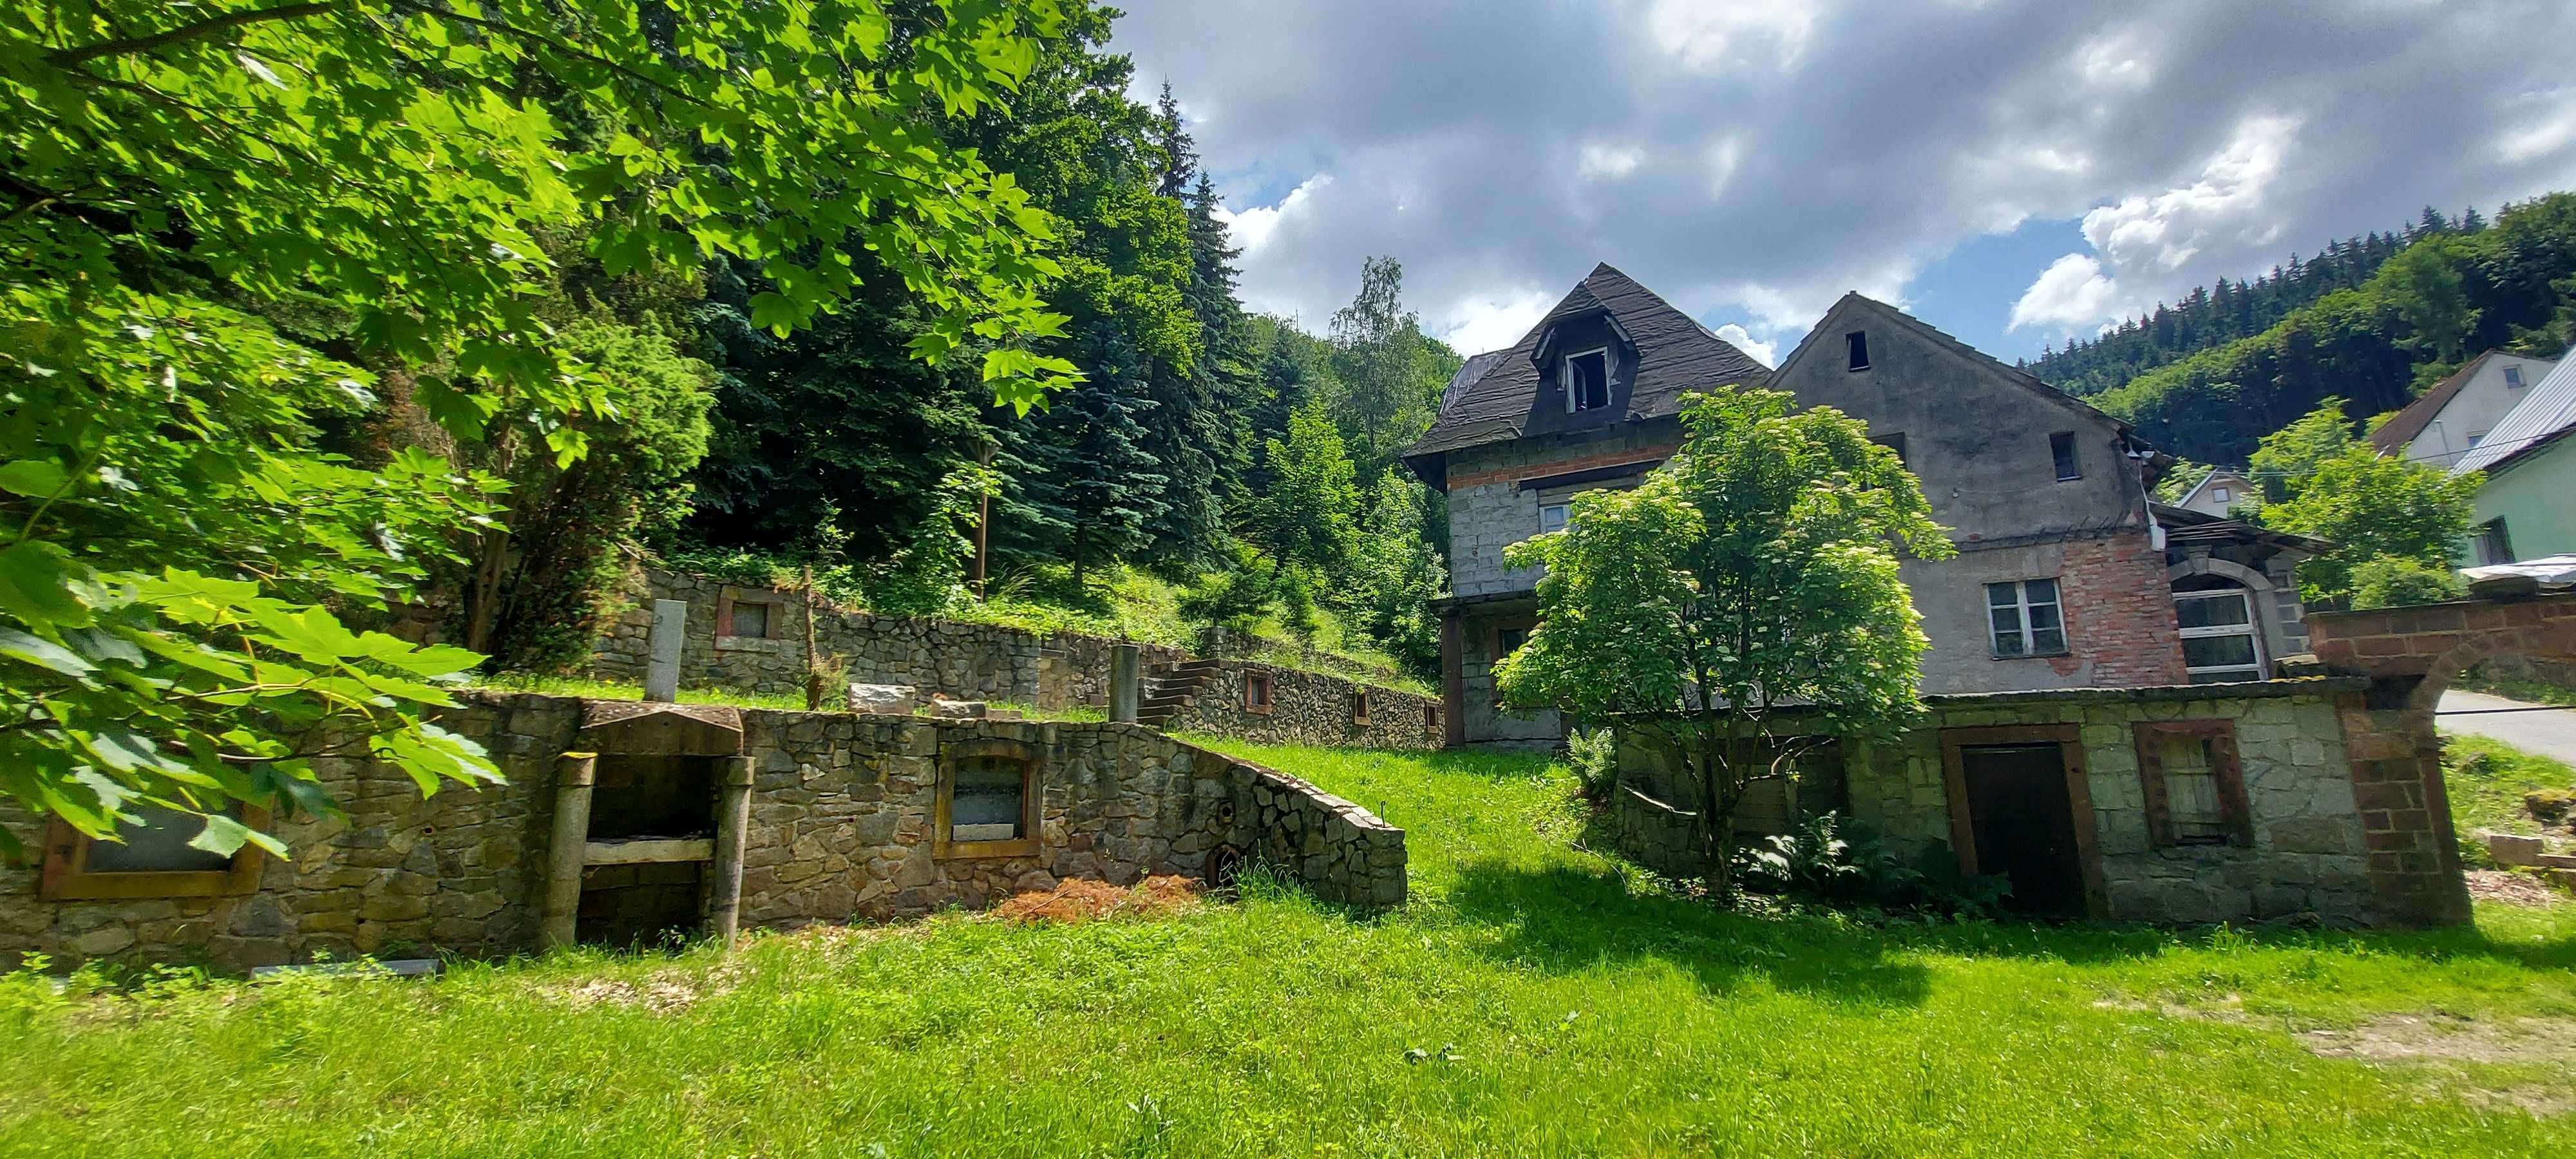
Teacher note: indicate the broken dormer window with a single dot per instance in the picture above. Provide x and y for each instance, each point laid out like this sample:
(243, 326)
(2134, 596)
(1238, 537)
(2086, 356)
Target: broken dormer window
(1587, 380)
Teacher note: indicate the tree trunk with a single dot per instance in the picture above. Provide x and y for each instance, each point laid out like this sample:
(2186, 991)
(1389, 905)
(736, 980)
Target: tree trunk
(483, 598)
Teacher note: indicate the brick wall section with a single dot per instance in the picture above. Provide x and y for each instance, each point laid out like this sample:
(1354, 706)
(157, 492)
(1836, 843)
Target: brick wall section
(842, 809)
(961, 660)
(2120, 612)
(2412, 655)
(1309, 708)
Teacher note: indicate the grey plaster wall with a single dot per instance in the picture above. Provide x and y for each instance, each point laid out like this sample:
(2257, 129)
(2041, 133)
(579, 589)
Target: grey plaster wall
(1488, 511)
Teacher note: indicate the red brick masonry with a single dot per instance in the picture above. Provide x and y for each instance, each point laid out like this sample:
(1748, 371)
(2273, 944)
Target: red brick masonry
(2119, 613)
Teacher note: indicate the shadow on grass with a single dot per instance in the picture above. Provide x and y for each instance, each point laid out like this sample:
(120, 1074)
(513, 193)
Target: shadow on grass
(1566, 919)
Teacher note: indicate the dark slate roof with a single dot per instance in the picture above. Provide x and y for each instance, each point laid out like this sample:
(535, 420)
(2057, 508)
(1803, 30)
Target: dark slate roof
(1495, 396)
(2393, 435)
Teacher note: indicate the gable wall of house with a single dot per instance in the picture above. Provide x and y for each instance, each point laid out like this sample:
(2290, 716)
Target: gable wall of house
(2530, 496)
(1980, 444)
(2480, 404)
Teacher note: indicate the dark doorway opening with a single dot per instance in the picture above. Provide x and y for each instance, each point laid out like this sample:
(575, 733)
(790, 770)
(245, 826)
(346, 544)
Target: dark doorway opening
(2024, 824)
(647, 797)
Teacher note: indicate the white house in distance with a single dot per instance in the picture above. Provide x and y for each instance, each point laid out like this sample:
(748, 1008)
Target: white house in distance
(2218, 491)
(2457, 414)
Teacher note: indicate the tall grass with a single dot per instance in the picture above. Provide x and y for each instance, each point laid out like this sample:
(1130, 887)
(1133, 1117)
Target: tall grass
(1535, 998)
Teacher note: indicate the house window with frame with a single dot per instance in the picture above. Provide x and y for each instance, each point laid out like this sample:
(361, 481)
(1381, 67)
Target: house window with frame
(2221, 494)
(2061, 453)
(1509, 640)
(151, 859)
(1552, 517)
(2493, 545)
(1856, 350)
(2194, 784)
(1587, 380)
(2513, 377)
(2025, 618)
(1256, 692)
(2221, 641)
(1895, 442)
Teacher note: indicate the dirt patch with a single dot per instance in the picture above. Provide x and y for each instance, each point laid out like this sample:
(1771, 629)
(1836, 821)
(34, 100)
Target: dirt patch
(1083, 901)
(2515, 888)
(2449, 1037)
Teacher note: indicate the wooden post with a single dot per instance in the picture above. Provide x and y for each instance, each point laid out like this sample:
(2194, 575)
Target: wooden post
(813, 664)
(733, 824)
(574, 775)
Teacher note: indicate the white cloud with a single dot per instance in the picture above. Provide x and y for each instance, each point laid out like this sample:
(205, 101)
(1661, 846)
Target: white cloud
(1611, 161)
(2071, 294)
(2552, 132)
(1478, 324)
(1766, 353)
(1708, 36)
(2169, 228)
(1254, 227)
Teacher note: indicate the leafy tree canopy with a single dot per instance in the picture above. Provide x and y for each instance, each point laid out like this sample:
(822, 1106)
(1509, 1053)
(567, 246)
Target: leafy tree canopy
(2372, 507)
(179, 177)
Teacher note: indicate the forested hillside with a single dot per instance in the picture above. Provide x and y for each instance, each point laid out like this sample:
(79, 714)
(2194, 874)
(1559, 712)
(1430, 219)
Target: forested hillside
(835, 447)
(2216, 314)
(2447, 296)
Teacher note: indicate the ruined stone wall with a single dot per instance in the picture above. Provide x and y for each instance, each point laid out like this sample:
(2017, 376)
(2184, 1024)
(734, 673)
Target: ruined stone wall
(960, 660)
(2309, 852)
(1310, 708)
(842, 811)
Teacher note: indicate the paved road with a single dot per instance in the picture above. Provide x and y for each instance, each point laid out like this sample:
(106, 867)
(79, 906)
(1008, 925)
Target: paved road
(2550, 734)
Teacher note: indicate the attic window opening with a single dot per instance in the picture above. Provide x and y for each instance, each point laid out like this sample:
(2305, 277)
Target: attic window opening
(1587, 380)
(1856, 350)
(1551, 517)
(1896, 443)
(2061, 450)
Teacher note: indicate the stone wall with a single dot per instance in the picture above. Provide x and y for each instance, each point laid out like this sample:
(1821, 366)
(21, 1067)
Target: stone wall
(960, 660)
(843, 808)
(2308, 793)
(1309, 708)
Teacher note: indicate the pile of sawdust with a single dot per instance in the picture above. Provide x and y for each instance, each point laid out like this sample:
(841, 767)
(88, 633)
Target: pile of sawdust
(1082, 901)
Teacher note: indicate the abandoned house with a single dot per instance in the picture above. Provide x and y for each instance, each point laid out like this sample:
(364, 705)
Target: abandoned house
(2067, 575)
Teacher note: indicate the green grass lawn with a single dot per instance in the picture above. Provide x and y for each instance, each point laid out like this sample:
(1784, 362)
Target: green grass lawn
(1534, 998)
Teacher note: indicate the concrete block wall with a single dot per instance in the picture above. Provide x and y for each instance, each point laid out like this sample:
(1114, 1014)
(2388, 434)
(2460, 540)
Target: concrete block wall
(1488, 510)
(842, 811)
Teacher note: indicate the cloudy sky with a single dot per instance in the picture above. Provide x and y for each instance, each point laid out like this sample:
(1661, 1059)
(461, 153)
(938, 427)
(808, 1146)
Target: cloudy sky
(2014, 172)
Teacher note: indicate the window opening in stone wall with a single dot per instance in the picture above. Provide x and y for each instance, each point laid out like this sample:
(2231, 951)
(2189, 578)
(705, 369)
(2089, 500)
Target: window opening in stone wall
(1431, 717)
(1587, 380)
(1856, 350)
(2026, 618)
(2194, 785)
(990, 800)
(2220, 640)
(1256, 691)
(2061, 451)
(749, 619)
(1509, 640)
(1360, 707)
(151, 858)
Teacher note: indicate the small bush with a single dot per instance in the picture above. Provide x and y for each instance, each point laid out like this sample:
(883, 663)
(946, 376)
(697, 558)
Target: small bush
(2390, 581)
(1839, 861)
(1594, 753)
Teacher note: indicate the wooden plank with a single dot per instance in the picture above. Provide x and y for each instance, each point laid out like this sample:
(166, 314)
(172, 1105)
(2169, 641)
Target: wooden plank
(648, 852)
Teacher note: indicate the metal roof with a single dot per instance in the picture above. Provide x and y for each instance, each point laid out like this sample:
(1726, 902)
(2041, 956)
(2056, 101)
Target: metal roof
(2542, 416)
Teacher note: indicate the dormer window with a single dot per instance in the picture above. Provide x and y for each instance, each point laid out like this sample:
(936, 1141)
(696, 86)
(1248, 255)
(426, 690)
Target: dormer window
(1586, 377)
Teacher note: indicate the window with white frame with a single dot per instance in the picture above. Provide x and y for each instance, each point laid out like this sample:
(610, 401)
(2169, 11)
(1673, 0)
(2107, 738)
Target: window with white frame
(1551, 517)
(2220, 639)
(2026, 618)
(1586, 379)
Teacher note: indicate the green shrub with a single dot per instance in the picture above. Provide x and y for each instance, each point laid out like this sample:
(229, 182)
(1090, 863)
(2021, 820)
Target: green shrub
(1594, 753)
(2390, 581)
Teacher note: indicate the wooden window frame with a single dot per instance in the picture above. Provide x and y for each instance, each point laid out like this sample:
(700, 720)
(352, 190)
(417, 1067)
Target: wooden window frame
(2226, 767)
(2021, 606)
(1268, 701)
(1359, 706)
(66, 875)
(1573, 382)
(1031, 791)
(728, 596)
(2069, 739)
